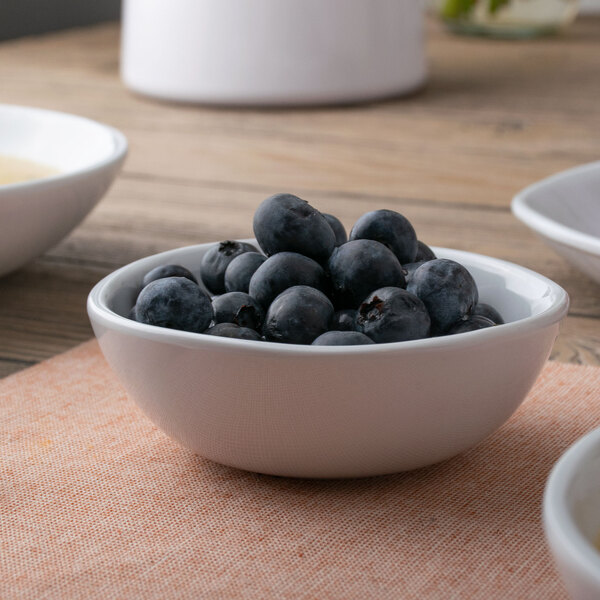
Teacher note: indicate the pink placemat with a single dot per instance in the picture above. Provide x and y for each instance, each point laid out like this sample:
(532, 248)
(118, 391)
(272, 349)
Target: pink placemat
(95, 502)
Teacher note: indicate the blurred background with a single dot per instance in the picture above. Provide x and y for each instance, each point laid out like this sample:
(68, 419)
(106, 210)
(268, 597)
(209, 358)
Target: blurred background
(25, 17)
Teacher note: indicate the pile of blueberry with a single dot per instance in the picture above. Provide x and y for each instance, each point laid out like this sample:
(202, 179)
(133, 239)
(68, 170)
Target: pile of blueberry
(311, 284)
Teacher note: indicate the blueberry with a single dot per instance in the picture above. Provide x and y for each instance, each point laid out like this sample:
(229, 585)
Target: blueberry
(298, 315)
(217, 259)
(392, 314)
(424, 252)
(344, 320)
(485, 310)
(240, 270)
(359, 267)
(447, 289)
(238, 308)
(131, 314)
(282, 271)
(342, 338)
(176, 303)
(341, 237)
(391, 229)
(409, 268)
(163, 271)
(285, 223)
(471, 323)
(231, 330)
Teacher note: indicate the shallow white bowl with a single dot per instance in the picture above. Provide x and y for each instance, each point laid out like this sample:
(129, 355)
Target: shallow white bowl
(331, 411)
(35, 215)
(572, 516)
(565, 211)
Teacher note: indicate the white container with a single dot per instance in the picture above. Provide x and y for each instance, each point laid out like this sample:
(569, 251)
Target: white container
(331, 411)
(273, 52)
(36, 214)
(564, 211)
(572, 517)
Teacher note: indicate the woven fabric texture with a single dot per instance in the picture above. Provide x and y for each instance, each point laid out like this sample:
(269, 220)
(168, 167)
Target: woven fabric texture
(95, 502)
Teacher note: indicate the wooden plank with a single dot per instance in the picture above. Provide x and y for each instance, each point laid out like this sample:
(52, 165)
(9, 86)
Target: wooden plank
(43, 310)
(494, 117)
(578, 342)
(9, 366)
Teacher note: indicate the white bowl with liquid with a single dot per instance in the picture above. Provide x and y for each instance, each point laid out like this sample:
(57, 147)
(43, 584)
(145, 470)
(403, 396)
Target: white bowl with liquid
(54, 168)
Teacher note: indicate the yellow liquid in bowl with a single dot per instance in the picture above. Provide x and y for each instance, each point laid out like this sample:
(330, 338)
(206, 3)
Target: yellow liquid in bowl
(17, 170)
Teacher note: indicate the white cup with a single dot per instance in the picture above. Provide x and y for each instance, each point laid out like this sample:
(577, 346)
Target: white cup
(272, 52)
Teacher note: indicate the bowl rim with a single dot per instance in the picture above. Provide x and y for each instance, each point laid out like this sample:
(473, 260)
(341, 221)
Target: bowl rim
(98, 311)
(548, 227)
(118, 152)
(557, 517)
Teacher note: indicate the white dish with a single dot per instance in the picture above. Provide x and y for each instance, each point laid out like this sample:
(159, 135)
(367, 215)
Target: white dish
(35, 215)
(331, 411)
(273, 51)
(565, 211)
(572, 516)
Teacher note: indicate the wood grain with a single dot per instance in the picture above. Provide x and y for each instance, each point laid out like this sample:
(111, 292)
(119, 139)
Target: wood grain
(494, 117)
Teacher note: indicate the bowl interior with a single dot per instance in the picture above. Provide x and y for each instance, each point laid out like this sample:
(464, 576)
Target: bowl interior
(517, 293)
(64, 142)
(571, 199)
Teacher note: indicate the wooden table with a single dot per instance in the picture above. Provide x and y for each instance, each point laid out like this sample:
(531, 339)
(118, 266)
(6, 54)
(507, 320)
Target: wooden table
(494, 117)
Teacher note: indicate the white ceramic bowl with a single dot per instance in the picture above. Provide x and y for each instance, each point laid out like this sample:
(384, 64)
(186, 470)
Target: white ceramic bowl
(272, 51)
(331, 411)
(565, 211)
(35, 215)
(572, 516)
